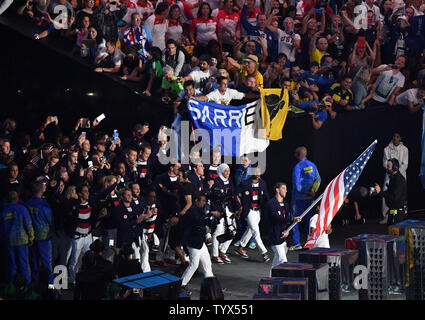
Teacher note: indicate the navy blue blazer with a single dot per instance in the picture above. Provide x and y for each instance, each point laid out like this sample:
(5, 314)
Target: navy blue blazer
(245, 194)
(280, 218)
(194, 227)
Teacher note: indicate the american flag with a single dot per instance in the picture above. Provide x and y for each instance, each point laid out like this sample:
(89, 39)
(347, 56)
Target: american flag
(336, 192)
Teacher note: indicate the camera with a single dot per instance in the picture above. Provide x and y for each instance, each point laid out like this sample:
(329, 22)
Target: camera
(371, 190)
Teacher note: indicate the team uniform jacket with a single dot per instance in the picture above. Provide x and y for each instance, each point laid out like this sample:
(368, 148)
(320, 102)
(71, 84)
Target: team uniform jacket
(279, 218)
(194, 228)
(16, 225)
(41, 216)
(252, 197)
(128, 230)
(305, 176)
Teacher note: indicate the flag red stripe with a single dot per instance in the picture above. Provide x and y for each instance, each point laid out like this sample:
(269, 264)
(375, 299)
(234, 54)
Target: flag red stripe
(337, 194)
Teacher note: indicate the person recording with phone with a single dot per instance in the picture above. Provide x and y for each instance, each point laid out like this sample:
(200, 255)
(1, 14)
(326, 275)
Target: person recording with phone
(396, 194)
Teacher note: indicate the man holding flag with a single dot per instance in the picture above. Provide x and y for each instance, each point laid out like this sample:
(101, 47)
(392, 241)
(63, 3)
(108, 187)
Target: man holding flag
(223, 95)
(305, 182)
(335, 194)
(279, 216)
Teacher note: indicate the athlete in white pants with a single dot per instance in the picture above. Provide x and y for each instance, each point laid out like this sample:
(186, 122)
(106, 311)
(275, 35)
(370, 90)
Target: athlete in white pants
(253, 230)
(224, 187)
(253, 194)
(280, 218)
(198, 258)
(80, 245)
(194, 240)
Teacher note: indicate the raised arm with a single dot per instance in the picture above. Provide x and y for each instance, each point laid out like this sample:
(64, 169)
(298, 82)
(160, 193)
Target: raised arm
(234, 63)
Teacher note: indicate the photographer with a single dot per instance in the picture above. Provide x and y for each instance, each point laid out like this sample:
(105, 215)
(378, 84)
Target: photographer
(317, 110)
(194, 239)
(396, 194)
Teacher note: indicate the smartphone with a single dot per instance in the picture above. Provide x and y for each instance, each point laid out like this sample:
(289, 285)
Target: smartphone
(318, 11)
(136, 291)
(116, 136)
(101, 117)
(394, 66)
(83, 134)
(51, 286)
(90, 163)
(54, 118)
(89, 43)
(111, 242)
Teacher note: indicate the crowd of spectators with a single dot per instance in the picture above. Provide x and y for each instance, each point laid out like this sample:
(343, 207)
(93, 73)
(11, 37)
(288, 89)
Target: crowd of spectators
(100, 188)
(313, 48)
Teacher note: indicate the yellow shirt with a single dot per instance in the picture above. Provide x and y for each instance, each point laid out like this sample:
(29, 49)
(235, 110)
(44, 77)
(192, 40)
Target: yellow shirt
(258, 76)
(316, 56)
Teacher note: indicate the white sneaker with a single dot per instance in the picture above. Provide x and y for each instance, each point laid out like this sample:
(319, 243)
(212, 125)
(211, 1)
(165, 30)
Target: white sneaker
(384, 221)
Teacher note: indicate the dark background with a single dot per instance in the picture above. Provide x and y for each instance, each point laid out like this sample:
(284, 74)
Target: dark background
(39, 80)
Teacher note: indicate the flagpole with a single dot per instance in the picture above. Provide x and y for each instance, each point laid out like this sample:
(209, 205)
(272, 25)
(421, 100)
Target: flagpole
(304, 213)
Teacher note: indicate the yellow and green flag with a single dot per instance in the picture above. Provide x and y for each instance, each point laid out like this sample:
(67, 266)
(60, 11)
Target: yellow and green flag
(274, 108)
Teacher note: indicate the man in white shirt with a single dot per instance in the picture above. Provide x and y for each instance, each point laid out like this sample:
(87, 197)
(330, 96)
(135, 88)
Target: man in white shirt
(323, 241)
(223, 95)
(158, 25)
(200, 77)
(390, 81)
(112, 59)
(412, 98)
(394, 150)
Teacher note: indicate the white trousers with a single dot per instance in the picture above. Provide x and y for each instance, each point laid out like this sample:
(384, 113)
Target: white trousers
(79, 247)
(279, 255)
(144, 254)
(222, 247)
(253, 230)
(199, 258)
